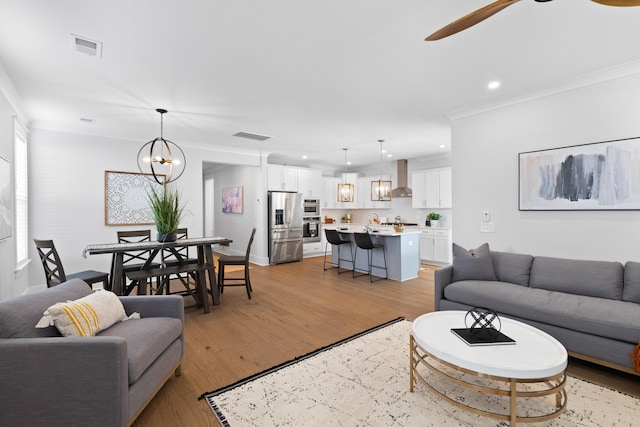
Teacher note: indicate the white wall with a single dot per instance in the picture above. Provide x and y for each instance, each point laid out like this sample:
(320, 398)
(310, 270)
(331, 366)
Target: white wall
(12, 282)
(485, 163)
(237, 226)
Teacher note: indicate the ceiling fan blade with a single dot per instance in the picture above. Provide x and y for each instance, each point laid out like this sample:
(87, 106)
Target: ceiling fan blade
(473, 18)
(618, 2)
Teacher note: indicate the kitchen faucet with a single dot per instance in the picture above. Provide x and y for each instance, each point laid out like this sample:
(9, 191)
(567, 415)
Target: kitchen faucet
(376, 220)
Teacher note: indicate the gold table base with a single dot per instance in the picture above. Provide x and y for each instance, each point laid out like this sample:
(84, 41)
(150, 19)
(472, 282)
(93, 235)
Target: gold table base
(554, 386)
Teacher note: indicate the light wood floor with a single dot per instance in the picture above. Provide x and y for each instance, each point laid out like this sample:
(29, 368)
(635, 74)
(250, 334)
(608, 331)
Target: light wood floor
(296, 308)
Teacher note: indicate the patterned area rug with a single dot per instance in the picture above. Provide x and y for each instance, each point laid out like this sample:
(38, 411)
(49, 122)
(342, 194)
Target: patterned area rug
(364, 381)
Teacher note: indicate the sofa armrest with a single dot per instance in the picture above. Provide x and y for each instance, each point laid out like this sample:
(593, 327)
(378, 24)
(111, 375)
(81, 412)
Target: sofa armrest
(442, 278)
(63, 381)
(156, 306)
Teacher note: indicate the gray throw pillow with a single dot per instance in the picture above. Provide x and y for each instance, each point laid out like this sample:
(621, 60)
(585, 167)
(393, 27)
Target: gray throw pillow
(472, 264)
(631, 289)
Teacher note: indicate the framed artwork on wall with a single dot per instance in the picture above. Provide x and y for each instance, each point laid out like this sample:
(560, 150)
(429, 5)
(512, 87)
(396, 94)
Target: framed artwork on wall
(232, 199)
(126, 197)
(598, 176)
(6, 214)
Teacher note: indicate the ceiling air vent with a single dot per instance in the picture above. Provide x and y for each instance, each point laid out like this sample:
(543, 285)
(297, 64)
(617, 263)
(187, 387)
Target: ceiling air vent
(85, 45)
(249, 135)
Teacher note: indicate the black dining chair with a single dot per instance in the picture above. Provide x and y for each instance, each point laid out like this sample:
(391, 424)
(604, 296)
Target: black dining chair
(334, 239)
(187, 278)
(363, 241)
(227, 260)
(54, 272)
(134, 260)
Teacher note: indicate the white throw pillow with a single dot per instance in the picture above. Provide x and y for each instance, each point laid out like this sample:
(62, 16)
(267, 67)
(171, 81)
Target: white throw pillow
(85, 316)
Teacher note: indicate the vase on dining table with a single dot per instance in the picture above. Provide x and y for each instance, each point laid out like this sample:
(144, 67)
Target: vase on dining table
(167, 237)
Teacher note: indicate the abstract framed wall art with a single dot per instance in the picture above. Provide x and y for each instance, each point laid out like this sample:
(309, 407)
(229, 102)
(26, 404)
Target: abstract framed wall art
(126, 198)
(232, 199)
(598, 176)
(6, 214)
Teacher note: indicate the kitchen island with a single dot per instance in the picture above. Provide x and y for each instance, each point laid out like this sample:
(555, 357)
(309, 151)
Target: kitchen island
(402, 250)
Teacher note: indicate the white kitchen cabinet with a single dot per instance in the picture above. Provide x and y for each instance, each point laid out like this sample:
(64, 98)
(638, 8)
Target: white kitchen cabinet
(288, 178)
(363, 199)
(311, 249)
(445, 188)
(431, 188)
(323, 239)
(282, 178)
(442, 246)
(418, 187)
(435, 245)
(329, 198)
(426, 245)
(310, 183)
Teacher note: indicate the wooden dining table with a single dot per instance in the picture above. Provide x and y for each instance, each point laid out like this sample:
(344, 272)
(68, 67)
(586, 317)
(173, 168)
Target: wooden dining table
(204, 264)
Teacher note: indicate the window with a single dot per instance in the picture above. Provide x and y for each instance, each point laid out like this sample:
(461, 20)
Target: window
(20, 182)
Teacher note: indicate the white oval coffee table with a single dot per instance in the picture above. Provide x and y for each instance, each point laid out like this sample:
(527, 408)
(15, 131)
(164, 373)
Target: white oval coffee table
(536, 357)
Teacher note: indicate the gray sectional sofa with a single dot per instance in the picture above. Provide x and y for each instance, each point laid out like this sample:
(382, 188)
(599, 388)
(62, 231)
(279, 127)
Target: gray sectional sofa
(591, 307)
(102, 380)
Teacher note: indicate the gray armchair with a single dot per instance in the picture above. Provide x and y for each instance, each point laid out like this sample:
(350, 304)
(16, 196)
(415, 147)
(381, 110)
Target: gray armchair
(106, 380)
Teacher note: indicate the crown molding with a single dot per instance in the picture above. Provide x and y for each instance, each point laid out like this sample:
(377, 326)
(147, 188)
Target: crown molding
(607, 74)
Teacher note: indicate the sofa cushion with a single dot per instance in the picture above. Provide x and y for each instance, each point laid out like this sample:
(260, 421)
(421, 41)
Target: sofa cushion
(19, 315)
(472, 264)
(85, 316)
(631, 288)
(601, 279)
(146, 339)
(512, 268)
(602, 317)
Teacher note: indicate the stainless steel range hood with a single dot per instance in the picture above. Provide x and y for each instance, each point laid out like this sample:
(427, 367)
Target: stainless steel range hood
(402, 190)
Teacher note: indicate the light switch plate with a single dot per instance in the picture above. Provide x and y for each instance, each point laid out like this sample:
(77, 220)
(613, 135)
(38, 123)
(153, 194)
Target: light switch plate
(487, 227)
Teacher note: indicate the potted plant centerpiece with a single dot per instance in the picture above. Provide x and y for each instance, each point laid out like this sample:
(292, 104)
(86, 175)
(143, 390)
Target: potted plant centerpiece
(434, 219)
(166, 213)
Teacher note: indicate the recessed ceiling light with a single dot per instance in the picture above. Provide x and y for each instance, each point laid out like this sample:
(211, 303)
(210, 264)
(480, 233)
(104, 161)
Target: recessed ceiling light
(442, 145)
(304, 157)
(389, 155)
(348, 163)
(494, 85)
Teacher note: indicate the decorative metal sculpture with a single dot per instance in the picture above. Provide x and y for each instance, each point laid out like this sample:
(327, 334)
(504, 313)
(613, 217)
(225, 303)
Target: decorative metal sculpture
(483, 323)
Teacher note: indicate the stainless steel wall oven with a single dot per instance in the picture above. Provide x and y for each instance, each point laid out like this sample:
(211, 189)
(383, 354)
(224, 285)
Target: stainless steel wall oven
(311, 229)
(311, 207)
(311, 220)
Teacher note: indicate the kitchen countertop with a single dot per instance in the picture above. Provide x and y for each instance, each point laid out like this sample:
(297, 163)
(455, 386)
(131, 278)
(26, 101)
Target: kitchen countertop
(375, 230)
(413, 226)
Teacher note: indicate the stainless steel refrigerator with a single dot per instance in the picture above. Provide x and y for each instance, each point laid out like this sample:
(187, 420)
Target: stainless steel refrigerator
(285, 227)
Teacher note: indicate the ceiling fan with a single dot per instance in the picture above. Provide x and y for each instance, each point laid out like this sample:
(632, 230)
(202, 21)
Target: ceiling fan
(483, 13)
